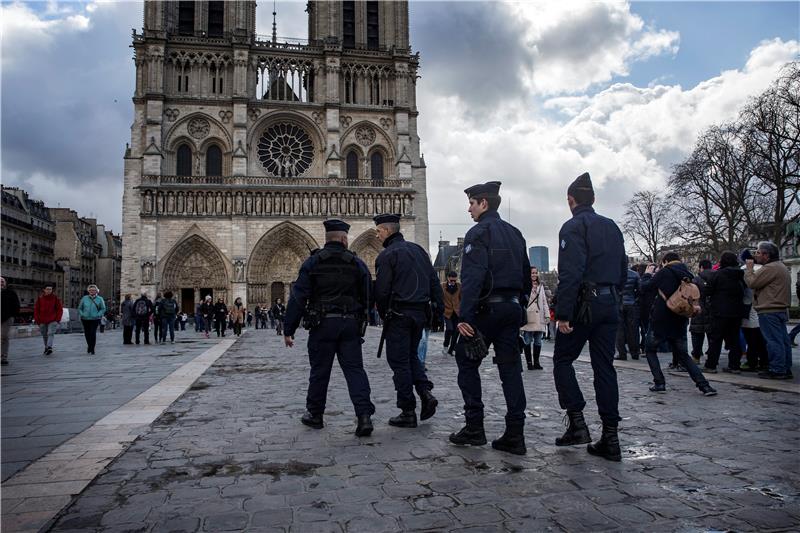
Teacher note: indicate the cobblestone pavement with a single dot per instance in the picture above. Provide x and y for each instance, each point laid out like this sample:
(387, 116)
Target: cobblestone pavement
(231, 454)
(46, 400)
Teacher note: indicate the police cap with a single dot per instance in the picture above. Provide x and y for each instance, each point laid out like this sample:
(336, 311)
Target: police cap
(490, 189)
(334, 224)
(386, 218)
(581, 189)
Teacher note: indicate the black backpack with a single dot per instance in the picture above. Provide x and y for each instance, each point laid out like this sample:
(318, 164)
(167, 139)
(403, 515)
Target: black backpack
(141, 308)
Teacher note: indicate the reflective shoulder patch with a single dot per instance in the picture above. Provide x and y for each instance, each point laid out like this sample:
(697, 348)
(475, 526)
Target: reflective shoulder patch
(467, 248)
(563, 244)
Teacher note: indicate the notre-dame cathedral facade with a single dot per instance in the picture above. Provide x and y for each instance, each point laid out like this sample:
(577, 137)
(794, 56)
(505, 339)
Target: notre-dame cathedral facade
(241, 145)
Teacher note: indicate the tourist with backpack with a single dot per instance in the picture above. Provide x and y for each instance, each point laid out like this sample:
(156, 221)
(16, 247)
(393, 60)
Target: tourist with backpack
(128, 319)
(168, 310)
(142, 309)
(676, 300)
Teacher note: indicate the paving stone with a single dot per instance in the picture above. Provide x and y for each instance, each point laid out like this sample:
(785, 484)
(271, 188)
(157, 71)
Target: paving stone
(272, 517)
(226, 522)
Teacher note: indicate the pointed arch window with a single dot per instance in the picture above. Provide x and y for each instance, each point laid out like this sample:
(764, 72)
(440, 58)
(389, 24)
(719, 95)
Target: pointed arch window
(349, 24)
(351, 165)
(216, 19)
(376, 167)
(186, 18)
(184, 166)
(373, 26)
(214, 161)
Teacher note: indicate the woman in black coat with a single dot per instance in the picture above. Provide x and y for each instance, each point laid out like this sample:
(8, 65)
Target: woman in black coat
(725, 293)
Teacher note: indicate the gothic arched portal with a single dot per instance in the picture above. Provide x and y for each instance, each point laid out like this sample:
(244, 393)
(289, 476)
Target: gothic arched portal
(367, 246)
(193, 267)
(276, 259)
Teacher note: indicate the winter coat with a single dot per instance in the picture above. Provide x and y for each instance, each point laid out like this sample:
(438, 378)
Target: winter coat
(752, 320)
(91, 308)
(237, 314)
(663, 322)
(207, 309)
(149, 305)
(630, 291)
(772, 287)
(9, 304)
(699, 323)
(128, 315)
(166, 309)
(451, 300)
(538, 312)
(47, 309)
(725, 293)
(220, 311)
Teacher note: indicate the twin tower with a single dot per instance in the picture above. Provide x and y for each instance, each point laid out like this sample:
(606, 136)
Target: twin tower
(242, 144)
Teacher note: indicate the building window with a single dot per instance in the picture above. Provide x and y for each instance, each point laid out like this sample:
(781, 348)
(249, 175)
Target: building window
(216, 19)
(213, 161)
(349, 24)
(376, 167)
(184, 166)
(186, 18)
(216, 80)
(183, 83)
(351, 165)
(373, 27)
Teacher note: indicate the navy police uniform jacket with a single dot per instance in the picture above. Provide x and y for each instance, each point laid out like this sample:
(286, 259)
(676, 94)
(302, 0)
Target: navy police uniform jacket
(306, 289)
(494, 261)
(404, 275)
(591, 249)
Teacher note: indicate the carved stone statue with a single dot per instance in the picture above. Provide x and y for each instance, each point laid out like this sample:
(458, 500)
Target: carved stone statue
(238, 267)
(147, 272)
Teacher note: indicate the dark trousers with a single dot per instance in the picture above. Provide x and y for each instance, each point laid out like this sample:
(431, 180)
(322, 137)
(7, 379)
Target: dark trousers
(600, 334)
(143, 324)
(127, 334)
(237, 328)
(156, 328)
(757, 357)
(337, 338)
(183, 325)
(220, 323)
(724, 329)
(698, 339)
(403, 334)
(679, 353)
(167, 323)
(499, 325)
(451, 332)
(279, 326)
(628, 331)
(90, 332)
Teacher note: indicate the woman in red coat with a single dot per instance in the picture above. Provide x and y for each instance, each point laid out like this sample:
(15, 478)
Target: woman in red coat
(47, 313)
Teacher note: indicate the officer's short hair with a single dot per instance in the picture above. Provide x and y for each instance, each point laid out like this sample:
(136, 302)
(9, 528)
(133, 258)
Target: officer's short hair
(335, 236)
(493, 202)
(770, 249)
(393, 227)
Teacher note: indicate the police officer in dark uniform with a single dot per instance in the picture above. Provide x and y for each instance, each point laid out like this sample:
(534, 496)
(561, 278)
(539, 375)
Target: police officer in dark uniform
(332, 294)
(495, 283)
(592, 269)
(407, 293)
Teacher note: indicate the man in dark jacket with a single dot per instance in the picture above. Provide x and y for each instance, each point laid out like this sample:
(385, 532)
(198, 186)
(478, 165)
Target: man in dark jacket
(278, 313)
(725, 293)
(698, 327)
(628, 329)
(220, 316)
(9, 309)
(668, 326)
(142, 309)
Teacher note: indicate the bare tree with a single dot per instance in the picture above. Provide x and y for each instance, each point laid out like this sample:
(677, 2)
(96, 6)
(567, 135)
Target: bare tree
(647, 223)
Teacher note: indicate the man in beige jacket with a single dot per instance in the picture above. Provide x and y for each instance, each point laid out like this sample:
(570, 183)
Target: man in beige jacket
(771, 298)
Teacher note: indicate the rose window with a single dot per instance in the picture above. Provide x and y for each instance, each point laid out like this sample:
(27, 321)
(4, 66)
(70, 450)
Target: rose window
(285, 150)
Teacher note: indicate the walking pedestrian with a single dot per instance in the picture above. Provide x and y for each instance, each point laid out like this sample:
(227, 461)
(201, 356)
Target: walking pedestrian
(103, 323)
(157, 318)
(335, 285)
(198, 318)
(168, 310)
(278, 314)
(592, 269)
(405, 288)
(220, 316)
(669, 327)
(237, 316)
(47, 313)
(537, 316)
(451, 295)
(495, 283)
(725, 294)
(9, 309)
(628, 329)
(249, 319)
(184, 319)
(698, 326)
(91, 309)
(771, 297)
(207, 312)
(143, 310)
(128, 319)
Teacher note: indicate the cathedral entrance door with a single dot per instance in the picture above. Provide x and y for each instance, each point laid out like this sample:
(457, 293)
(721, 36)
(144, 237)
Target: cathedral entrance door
(187, 301)
(277, 291)
(206, 292)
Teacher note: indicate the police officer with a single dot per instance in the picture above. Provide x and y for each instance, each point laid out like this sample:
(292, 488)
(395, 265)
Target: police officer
(333, 290)
(495, 281)
(592, 269)
(407, 291)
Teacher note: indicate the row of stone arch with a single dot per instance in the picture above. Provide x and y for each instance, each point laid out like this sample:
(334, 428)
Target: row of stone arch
(196, 262)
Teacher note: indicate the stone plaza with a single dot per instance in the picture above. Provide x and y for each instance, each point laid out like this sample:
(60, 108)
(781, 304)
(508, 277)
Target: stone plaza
(226, 452)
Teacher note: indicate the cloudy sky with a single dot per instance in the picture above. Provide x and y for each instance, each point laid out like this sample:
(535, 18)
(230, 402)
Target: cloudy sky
(531, 94)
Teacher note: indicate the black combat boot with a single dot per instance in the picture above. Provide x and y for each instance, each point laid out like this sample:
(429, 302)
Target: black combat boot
(608, 445)
(429, 403)
(406, 419)
(364, 427)
(471, 434)
(537, 351)
(577, 431)
(312, 421)
(512, 441)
